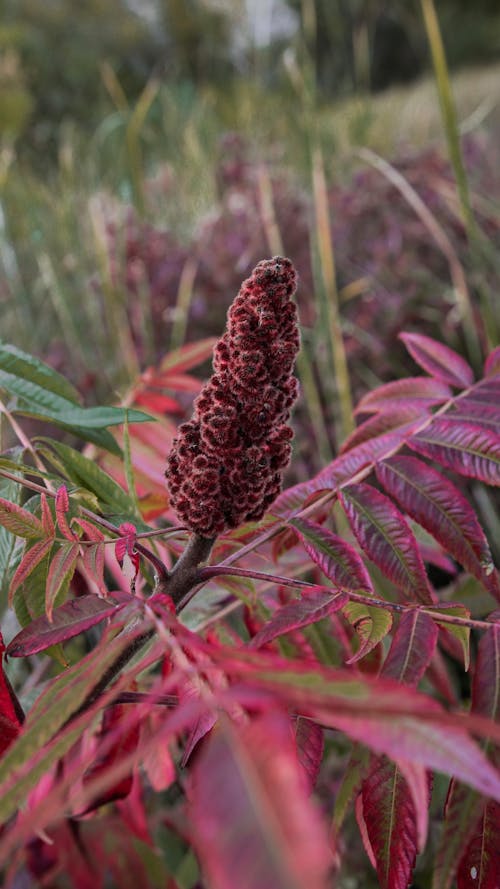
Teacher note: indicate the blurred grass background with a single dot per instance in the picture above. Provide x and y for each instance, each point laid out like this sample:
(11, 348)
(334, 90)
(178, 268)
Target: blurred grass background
(151, 152)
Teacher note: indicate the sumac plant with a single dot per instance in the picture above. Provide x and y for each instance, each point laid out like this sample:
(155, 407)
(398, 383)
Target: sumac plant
(245, 686)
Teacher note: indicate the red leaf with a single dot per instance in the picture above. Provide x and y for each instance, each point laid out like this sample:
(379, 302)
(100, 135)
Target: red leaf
(367, 454)
(92, 532)
(480, 865)
(126, 543)
(32, 557)
(438, 360)
(412, 648)
(467, 448)
(125, 741)
(337, 560)
(67, 621)
(310, 745)
(60, 573)
(436, 504)
(407, 392)
(387, 539)
(157, 402)
(468, 824)
(188, 356)
(47, 520)
(250, 811)
(11, 713)
(62, 507)
(310, 608)
(391, 824)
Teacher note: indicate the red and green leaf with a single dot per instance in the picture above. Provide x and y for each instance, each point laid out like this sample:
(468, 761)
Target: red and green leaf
(372, 624)
(32, 557)
(19, 521)
(62, 568)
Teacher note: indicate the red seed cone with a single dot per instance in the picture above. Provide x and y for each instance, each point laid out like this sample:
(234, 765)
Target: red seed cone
(226, 463)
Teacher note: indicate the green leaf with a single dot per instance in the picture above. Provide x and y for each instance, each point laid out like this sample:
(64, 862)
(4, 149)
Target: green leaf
(87, 474)
(19, 364)
(371, 623)
(460, 632)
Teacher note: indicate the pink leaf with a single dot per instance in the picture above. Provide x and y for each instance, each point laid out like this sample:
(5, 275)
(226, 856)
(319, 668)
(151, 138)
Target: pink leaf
(61, 571)
(466, 448)
(380, 424)
(492, 363)
(62, 507)
(67, 621)
(337, 560)
(387, 539)
(367, 454)
(19, 521)
(312, 607)
(32, 557)
(436, 504)
(250, 811)
(438, 360)
(410, 391)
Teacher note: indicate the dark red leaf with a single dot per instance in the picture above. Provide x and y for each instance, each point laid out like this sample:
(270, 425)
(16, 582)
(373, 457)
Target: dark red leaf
(310, 746)
(400, 418)
(11, 712)
(480, 865)
(391, 822)
(125, 741)
(67, 621)
(436, 504)
(467, 448)
(492, 363)
(386, 538)
(412, 648)
(313, 606)
(338, 560)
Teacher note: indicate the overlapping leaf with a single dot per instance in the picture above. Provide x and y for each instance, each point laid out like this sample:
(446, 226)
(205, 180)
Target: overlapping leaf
(386, 538)
(436, 504)
(467, 448)
(337, 559)
(314, 605)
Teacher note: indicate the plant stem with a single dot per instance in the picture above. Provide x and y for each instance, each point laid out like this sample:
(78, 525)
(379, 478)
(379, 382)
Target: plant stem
(186, 572)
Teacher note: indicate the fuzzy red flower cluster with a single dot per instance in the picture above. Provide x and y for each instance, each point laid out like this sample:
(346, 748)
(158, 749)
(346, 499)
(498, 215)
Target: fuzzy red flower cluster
(227, 462)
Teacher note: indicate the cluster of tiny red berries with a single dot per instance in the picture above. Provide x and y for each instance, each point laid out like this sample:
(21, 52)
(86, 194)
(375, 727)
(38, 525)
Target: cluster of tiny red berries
(227, 462)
